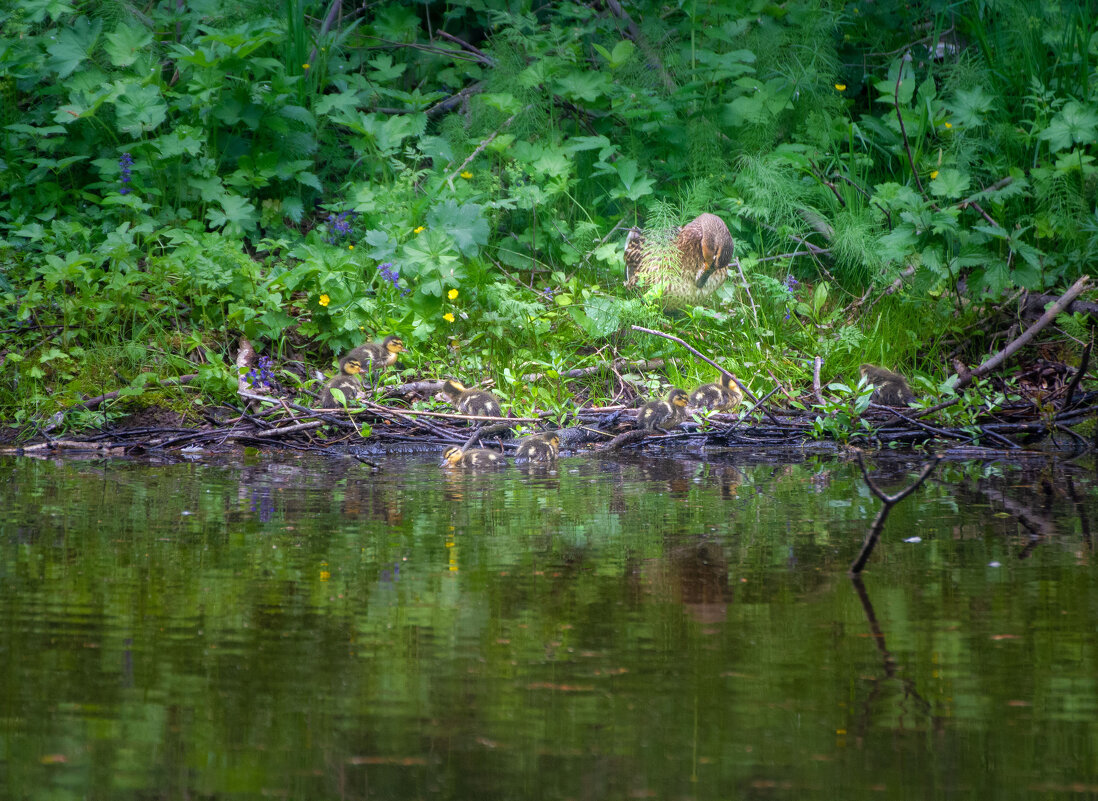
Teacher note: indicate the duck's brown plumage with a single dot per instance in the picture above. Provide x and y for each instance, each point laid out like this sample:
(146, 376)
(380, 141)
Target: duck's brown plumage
(723, 397)
(471, 401)
(373, 355)
(539, 448)
(659, 415)
(477, 457)
(688, 270)
(347, 383)
(889, 388)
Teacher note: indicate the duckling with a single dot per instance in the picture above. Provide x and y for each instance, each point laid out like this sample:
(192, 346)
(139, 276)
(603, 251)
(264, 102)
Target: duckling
(539, 448)
(655, 415)
(374, 355)
(889, 388)
(348, 382)
(477, 457)
(722, 397)
(471, 401)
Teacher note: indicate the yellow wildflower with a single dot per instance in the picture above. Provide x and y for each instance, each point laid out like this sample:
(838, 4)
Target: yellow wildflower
(841, 87)
(934, 175)
(466, 175)
(453, 293)
(325, 575)
(324, 300)
(948, 125)
(304, 66)
(420, 230)
(350, 247)
(448, 317)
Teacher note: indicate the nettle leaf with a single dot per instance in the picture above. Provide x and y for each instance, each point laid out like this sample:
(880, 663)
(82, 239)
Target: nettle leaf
(465, 223)
(74, 45)
(996, 278)
(140, 109)
(970, 105)
(125, 43)
(950, 183)
(1075, 123)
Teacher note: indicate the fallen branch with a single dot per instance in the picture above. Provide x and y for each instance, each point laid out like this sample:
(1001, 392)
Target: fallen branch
(274, 432)
(817, 390)
(628, 438)
(966, 377)
(750, 395)
(888, 502)
(580, 372)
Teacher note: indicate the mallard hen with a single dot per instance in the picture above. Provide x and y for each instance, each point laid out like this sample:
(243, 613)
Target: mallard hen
(689, 268)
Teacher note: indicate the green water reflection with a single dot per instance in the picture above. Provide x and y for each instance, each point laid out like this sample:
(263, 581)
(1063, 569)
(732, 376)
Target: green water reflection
(299, 628)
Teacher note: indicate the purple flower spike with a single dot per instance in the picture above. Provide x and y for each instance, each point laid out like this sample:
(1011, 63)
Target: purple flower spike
(124, 165)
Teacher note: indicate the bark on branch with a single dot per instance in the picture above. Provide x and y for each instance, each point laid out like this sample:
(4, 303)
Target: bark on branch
(966, 377)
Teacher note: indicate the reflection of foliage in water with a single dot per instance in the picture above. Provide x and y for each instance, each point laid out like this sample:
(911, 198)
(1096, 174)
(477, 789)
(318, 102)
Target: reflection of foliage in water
(592, 600)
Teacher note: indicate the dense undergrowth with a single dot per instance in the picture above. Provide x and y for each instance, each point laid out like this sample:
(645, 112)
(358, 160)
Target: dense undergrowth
(312, 175)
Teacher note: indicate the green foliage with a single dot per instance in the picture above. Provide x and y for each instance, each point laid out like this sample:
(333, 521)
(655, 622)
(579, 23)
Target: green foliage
(216, 170)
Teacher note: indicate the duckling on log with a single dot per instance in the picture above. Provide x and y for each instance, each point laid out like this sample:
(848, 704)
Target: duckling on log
(722, 397)
(889, 388)
(658, 415)
(471, 401)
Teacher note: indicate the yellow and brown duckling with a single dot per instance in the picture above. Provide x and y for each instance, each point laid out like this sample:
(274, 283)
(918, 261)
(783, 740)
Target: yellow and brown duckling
(471, 401)
(539, 448)
(349, 385)
(347, 381)
(658, 415)
(722, 397)
(889, 388)
(373, 355)
(476, 457)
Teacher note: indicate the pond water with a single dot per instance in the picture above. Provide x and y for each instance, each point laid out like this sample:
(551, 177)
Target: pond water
(265, 625)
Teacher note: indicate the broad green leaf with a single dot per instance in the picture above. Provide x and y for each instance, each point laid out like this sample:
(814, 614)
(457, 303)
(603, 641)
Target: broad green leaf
(1074, 124)
(969, 106)
(125, 43)
(140, 109)
(74, 44)
(950, 183)
(465, 223)
(584, 87)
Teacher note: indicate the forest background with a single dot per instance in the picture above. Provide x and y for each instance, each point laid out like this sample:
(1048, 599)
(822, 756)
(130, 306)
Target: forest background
(312, 175)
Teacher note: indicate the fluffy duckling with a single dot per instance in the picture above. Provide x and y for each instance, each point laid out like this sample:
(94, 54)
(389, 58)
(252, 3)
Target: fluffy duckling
(471, 401)
(539, 448)
(889, 388)
(347, 382)
(722, 397)
(656, 415)
(477, 457)
(373, 355)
